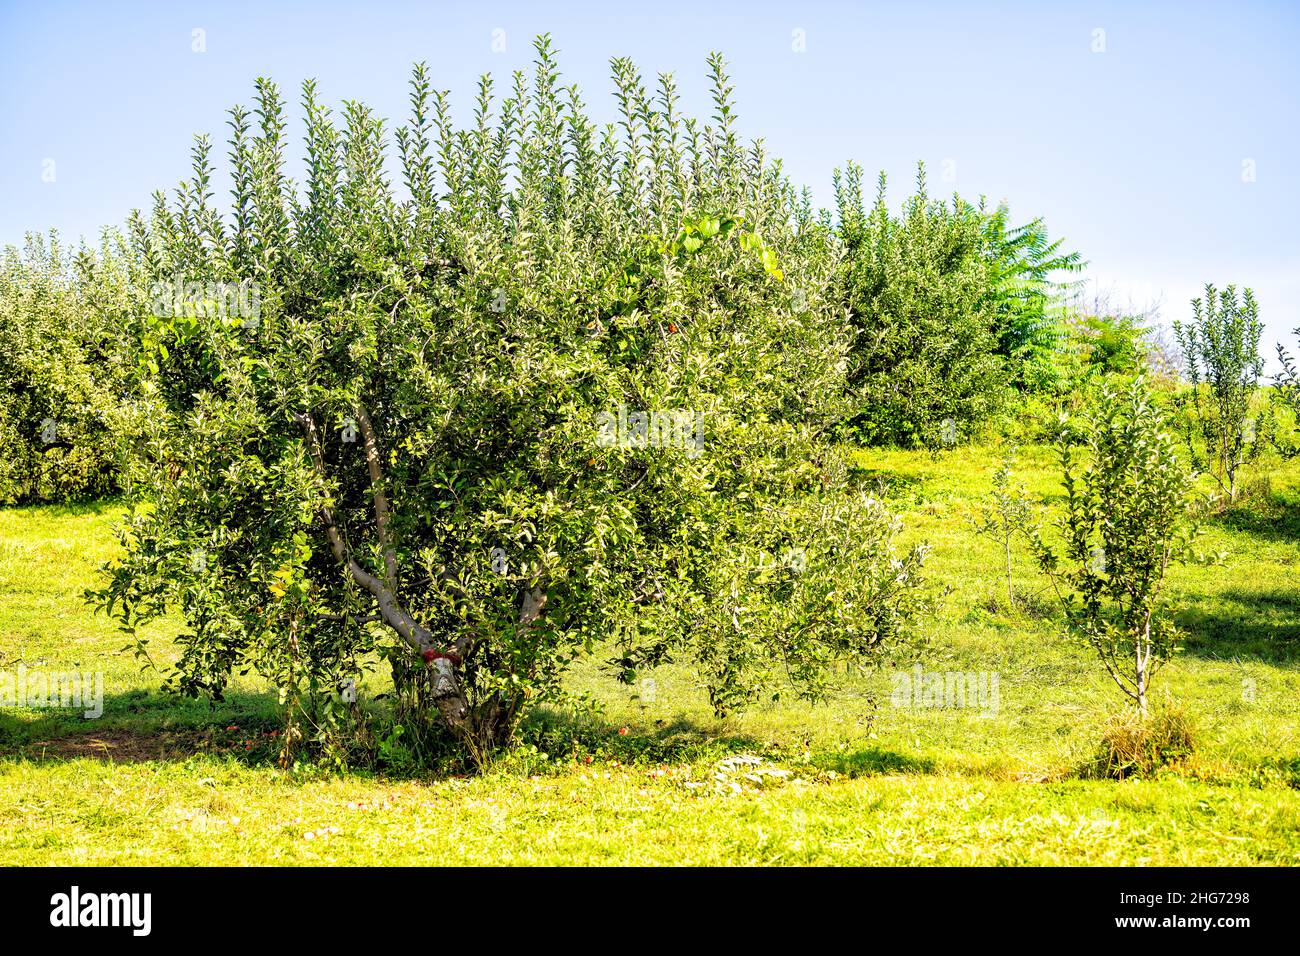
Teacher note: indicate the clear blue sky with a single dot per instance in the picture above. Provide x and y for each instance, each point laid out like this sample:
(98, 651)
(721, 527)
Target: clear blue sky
(1135, 154)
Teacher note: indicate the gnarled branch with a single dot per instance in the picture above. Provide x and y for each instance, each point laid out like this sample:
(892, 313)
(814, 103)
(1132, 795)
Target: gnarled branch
(393, 614)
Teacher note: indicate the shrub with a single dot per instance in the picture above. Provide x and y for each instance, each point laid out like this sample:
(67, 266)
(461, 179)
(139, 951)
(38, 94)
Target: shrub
(1288, 379)
(1286, 395)
(1125, 521)
(569, 393)
(1112, 345)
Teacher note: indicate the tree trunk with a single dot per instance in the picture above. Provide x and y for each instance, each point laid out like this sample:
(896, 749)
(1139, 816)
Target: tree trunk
(1140, 671)
(488, 725)
(1011, 596)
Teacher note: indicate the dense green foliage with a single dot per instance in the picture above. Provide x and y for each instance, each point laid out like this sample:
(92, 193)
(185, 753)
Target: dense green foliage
(572, 391)
(64, 390)
(1105, 345)
(927, 317)
(915, 288)
(950, 307)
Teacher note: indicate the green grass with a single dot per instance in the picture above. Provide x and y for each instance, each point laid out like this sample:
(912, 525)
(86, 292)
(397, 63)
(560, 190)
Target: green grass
(219, 812)
(856, 780)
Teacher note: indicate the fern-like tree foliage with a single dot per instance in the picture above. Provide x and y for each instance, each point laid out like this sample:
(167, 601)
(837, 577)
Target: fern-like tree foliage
(562, 388)
(1027, 293)
(1221, 349)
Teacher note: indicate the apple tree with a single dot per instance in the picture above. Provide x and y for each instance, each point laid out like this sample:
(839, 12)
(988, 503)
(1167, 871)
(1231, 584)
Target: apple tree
(562, 390)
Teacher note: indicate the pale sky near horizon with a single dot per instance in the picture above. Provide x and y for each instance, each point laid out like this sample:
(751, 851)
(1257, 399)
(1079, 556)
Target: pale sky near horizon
(1162, 140)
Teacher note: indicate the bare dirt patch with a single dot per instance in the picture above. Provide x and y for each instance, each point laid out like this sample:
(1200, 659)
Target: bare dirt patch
(121, 745)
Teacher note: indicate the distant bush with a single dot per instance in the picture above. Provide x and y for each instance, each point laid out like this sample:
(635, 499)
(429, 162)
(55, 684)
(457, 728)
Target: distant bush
(917, 290)
(951, 307)
(1288, 379)
(1221, 347)
(1110, 345)
(1093, 344)
(64, 387)
(1286, 397)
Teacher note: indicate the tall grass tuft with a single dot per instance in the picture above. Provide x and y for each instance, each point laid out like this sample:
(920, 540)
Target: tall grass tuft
(1133, 745)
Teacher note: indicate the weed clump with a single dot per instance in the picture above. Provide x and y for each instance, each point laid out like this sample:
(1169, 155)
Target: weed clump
(1133, 744)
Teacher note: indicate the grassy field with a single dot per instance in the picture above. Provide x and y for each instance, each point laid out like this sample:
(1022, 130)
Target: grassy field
(855, 780)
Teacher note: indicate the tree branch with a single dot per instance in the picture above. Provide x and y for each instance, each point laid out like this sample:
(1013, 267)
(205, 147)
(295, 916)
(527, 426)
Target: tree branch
(394, 616)
(382, 512)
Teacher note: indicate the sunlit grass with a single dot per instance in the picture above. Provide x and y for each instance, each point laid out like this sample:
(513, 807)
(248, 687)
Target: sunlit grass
(857, 780)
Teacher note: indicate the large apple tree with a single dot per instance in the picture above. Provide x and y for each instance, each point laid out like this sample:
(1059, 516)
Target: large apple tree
(562, 386)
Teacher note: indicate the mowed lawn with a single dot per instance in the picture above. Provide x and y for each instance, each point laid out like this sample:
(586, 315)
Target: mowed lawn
(858, 779)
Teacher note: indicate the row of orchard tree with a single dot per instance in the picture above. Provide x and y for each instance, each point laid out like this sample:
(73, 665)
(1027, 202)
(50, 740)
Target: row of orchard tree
(933, 315)
(562, 384)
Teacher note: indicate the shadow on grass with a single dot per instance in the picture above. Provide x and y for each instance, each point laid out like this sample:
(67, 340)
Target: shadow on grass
(140, 726)
(892, 485)
(68, 509)
(874, 761)
(1260, 624)
(679, 740)
(1275, 517)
